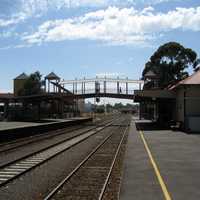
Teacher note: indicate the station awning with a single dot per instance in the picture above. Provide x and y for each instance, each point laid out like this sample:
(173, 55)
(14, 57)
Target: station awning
(140, 95)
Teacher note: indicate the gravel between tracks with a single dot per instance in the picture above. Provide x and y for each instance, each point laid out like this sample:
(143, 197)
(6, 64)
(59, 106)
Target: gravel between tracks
(113, 188)
(35, 184)
(88, 181)
(11, 155)
(34, 138)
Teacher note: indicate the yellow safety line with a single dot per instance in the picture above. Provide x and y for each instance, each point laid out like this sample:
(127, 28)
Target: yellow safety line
(155, 167)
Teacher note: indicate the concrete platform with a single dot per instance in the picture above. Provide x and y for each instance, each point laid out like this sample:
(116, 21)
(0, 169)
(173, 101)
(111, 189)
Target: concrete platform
(176, 155)
(11, 130)
(13, 125)
(139, 181)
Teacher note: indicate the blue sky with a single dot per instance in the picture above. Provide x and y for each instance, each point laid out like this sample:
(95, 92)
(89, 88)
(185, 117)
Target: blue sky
(76, 38)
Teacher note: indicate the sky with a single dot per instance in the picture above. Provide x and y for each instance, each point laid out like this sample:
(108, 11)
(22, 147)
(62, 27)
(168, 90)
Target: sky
(77, 38)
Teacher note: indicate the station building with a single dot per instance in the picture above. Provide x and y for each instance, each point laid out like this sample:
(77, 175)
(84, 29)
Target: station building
(54, 101)
(179, 102)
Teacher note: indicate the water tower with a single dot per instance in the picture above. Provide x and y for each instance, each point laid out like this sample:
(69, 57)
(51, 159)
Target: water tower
(19, 82)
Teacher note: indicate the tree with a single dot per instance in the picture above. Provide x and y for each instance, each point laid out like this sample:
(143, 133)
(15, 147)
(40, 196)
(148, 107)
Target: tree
(32, 85)
(109, 107)
(118, 106)
(169, 63)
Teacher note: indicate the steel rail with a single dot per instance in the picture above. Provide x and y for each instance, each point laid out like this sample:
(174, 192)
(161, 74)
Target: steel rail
(47, 136)
(31, 161)
(112, 165)
(38, 137)
(45, 148)
(67, 178)
(55, 190)
(35, 138)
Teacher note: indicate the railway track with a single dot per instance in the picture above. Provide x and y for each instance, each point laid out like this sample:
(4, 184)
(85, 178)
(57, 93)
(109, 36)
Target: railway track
(22, 151)
(16, 168)
(90, 178)
(26, 141)
(48, 135)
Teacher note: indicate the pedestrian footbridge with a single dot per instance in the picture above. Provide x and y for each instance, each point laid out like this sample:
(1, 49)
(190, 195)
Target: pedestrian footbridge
(101, 87)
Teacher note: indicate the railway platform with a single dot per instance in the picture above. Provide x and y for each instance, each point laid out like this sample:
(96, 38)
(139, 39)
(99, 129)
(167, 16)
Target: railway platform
(138, 181)
(160, 164)
(11, 130)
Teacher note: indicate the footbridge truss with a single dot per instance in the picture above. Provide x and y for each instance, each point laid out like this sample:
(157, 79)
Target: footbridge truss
(102, 87)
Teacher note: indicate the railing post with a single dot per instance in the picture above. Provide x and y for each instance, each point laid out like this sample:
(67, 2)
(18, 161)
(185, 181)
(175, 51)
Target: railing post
(76, 85)
(104, 85)
(118, 85)
(48, 86)
(54, 88)
(63, 87)
(127, 85)
(95, 83)
(45, 85)
(84, 86)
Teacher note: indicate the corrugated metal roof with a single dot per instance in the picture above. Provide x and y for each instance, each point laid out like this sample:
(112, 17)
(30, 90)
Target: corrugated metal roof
(21, 77)
(194, 79)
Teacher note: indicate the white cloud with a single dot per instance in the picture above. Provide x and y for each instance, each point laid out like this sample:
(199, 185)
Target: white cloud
(18, 46)
(14, 19)
(117, 26)
(8, 34)
(35, 8)
(42, 6)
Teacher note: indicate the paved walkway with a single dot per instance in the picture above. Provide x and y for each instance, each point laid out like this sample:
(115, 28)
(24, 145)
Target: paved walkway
(15, 124)
(176, 156)
(139, 181)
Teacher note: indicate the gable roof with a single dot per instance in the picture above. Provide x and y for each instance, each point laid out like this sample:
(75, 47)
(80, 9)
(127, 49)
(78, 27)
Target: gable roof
(194, 79)
(21, 77)
(52, 76)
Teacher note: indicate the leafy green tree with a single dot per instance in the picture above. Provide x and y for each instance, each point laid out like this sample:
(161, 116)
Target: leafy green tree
(32, 85)
(100, 109)
(118, 106)
(169, 63)
(109, 107)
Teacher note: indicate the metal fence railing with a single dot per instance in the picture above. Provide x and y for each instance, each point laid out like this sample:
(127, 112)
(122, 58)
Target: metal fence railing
(102, 91)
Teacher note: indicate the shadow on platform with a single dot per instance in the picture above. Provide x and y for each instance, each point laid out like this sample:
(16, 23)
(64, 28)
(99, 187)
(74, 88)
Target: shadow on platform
(147, 125)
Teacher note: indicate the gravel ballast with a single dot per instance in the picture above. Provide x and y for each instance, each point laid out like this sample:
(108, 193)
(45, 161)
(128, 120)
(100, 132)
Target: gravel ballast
(35, 184)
